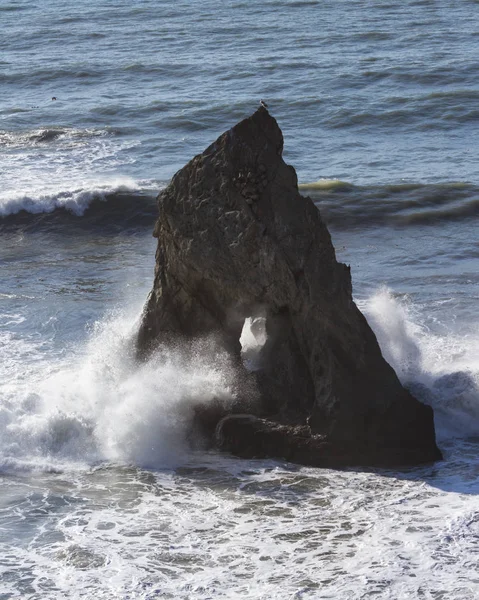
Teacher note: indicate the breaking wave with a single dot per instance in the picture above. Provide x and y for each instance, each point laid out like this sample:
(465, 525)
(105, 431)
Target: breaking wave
(99, 204)
(440, 367)
(51, 168)
(342, 204)
(100, 404)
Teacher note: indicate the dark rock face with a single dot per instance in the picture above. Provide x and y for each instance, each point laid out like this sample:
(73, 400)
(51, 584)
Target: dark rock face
(235, 240)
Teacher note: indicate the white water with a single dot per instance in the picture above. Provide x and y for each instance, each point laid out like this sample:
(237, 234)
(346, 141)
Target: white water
(80, 518)
(99, 403)
(387, 98)
(46, 169)
(76, 196)
(95, 402)
(440, 365)
(222, 527)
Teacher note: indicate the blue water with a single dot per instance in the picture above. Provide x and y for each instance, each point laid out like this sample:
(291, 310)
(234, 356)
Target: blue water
(371, 94)
(100, 496)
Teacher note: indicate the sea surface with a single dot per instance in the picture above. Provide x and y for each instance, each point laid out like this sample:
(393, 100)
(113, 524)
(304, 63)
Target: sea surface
(100, 498)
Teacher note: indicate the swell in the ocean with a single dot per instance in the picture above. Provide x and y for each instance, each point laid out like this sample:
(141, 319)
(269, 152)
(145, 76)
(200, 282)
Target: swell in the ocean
(65, 136)
(99, 404)
(103, 207)
(56, 167)
(347, 206)
(342, 204)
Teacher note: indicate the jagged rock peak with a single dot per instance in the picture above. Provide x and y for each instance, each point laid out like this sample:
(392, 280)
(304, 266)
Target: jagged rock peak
(237, 240)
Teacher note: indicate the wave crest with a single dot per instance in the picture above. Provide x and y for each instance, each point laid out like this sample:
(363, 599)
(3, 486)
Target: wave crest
(101, 404)
(346, 206)
(440, 369)
(75, 200)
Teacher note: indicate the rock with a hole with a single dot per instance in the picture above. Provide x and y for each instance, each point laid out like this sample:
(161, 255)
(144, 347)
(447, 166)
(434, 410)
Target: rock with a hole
(223, 258)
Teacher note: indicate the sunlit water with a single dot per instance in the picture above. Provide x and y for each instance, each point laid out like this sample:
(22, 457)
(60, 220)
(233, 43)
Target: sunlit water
(101, 497)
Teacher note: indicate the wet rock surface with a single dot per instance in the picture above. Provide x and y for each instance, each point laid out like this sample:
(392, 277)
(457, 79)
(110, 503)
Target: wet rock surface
(237, 240)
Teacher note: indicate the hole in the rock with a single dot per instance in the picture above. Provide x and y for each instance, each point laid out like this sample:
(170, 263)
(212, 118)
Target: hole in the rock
(253, 338)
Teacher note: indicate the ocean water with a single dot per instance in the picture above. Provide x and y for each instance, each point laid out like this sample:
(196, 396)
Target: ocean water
(100, 495)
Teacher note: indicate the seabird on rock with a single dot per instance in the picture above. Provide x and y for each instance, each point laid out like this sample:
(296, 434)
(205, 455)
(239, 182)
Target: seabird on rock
(263, 104)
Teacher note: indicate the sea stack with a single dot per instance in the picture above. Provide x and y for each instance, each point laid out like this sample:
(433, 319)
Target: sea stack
(237, 240)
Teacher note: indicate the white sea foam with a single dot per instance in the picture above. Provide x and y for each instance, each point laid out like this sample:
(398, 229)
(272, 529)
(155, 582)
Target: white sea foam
(88, 524)
(101, 404)
(441, 366)
(44, 135)
(397, 331)
(75, 196)
(242, 529)
(46, 169)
